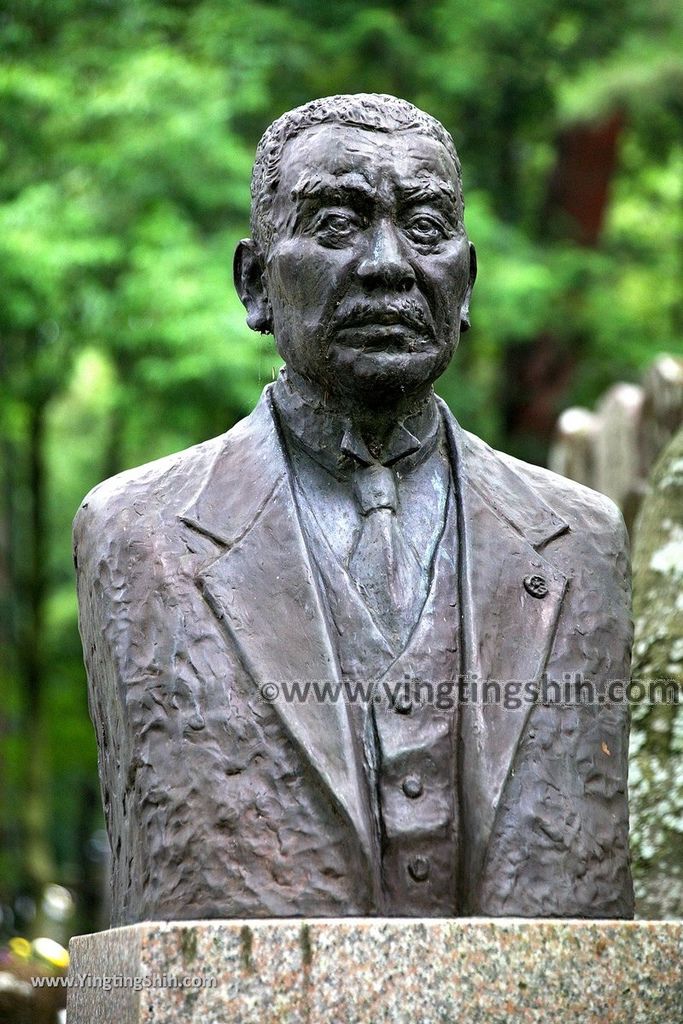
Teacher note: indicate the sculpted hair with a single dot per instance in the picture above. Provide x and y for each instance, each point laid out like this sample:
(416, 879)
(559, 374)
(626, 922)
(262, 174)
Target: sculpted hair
(373, 111)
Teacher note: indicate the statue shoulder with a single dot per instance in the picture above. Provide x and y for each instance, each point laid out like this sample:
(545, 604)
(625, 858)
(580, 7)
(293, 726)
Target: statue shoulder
(582, 507)
(146, 497)
(164, 488)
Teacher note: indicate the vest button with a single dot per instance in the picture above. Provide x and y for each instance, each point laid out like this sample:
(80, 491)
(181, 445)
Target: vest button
(418, 869)
(412, 786)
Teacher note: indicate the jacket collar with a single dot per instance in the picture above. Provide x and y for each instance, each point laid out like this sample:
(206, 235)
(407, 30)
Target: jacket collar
(245, 473)
(253, 457)
(329, 436)
(513, 500)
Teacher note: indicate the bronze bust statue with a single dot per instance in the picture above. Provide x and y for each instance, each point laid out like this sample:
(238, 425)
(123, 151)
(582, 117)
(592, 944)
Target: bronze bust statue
(329, 652)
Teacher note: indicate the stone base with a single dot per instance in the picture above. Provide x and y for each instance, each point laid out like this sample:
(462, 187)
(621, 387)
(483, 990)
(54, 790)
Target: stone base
(372, 970)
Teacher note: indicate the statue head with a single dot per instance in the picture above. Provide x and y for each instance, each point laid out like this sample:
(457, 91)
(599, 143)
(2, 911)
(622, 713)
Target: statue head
(358, 263)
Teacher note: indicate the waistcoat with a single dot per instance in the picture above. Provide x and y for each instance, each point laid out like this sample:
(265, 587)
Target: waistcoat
(403, 707)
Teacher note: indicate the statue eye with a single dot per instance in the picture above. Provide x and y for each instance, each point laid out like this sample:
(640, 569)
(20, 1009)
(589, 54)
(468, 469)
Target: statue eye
(336, 227)
(426, 229)
(337, 221)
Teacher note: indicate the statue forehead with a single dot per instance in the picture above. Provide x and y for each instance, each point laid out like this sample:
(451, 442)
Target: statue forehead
(340, 149)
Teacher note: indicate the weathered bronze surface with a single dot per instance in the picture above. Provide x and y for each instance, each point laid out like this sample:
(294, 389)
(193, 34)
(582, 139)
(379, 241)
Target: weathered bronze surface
(334, 654)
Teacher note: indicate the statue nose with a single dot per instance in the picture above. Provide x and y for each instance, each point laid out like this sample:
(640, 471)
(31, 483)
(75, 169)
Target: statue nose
(385, 262)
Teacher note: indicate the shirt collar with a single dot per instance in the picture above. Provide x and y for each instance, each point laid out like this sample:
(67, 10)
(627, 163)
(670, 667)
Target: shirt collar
(330, 438)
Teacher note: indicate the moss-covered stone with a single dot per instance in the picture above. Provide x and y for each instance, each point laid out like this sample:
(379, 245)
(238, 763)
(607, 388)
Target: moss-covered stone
(656, 774)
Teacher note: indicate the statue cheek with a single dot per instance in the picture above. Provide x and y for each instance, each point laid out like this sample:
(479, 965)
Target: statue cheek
(302, 265)
(452, 275)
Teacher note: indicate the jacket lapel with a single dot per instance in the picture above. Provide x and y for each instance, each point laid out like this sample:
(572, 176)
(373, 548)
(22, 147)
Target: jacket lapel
(506, 632)
(263, 591)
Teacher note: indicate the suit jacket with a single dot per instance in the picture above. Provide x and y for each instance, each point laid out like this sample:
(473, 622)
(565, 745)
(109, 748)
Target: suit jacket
(196, 591)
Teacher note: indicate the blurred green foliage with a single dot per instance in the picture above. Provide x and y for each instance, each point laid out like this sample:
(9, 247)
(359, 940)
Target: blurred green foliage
(128, 130)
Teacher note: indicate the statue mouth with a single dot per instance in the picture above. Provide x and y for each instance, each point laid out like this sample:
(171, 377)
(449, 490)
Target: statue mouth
(386, 323)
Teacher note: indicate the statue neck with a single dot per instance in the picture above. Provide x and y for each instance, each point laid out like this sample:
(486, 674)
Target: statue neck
(321, 419)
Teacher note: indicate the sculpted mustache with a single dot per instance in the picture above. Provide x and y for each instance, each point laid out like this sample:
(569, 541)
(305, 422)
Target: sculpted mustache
(406, 315)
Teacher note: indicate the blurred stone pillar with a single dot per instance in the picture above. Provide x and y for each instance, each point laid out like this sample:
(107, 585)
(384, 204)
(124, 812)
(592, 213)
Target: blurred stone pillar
(573, 451)
(662, 408)
(614, 449)
(617, 447)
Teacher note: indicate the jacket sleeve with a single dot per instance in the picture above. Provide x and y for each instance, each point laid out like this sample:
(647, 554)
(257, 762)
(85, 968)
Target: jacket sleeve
(136, 596)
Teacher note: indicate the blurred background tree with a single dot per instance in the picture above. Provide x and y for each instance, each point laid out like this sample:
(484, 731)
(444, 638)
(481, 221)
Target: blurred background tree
(128, 131)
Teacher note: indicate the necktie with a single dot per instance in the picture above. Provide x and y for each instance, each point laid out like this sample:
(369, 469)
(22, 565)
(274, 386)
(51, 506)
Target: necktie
(383, 562)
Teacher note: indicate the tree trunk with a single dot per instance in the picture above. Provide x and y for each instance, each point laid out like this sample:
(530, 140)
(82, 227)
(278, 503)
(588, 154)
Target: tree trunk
(38, 868)
(575, 208)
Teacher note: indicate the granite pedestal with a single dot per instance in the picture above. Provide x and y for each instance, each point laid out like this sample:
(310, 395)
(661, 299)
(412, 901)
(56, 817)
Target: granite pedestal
(367, 971)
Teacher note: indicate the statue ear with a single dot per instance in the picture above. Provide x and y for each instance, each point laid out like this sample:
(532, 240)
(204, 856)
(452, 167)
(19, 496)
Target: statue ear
(250, 284)
(465, 310)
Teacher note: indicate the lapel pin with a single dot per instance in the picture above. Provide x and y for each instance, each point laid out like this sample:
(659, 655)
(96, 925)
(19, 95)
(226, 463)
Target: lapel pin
(536, 586)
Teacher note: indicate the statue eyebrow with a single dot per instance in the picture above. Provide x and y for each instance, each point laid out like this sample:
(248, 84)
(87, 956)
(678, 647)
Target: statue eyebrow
(440, 192)
(333, 192)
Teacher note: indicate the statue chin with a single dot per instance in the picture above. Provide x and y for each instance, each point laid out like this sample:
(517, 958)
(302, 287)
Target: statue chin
(380, 378)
